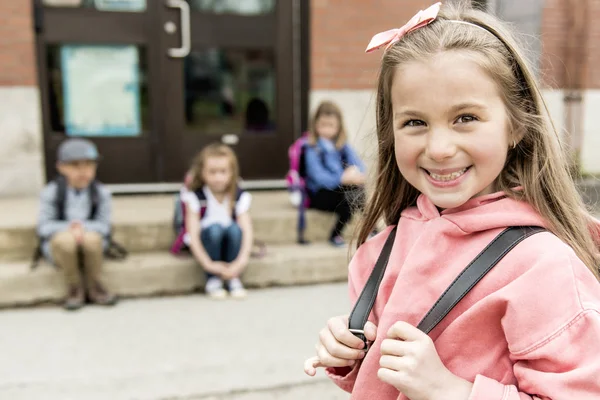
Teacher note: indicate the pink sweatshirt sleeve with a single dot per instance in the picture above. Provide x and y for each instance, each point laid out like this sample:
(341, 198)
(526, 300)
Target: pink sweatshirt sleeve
(564, 366)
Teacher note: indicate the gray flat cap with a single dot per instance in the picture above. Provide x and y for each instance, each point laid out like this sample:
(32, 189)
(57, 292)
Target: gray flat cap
(77, 149)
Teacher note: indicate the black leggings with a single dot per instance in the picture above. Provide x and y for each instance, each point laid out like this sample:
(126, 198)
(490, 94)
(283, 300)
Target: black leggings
(342, 201)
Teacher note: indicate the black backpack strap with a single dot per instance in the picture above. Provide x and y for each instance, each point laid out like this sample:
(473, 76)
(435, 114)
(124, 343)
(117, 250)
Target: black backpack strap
(200, 194)
(94, 199)
(61, 195)
(302, 161)
(362, 309)
(474, 272)
(178, 214)
(344, 156)
(462, 285)
(238, 194)
(203, 201)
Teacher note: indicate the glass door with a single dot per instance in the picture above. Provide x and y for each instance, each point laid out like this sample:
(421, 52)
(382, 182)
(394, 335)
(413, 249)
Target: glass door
(228, 77)
(99, 79)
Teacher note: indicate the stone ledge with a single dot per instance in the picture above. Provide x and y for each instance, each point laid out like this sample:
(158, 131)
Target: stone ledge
(160, 273)
(279, 228)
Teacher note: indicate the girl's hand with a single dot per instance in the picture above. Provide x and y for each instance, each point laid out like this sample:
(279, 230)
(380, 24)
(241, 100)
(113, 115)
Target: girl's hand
(352, 176)
(216, 268)
(232, 270)
(236, 267)
(410, 363)
(337, 346)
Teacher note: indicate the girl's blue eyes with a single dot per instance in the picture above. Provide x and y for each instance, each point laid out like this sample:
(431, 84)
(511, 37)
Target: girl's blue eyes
(463, 119)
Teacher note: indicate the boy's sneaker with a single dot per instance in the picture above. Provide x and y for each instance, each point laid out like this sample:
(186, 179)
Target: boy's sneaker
(214, 288)
(236, 288)
(337, 241)
(99, 295)
(75, 299)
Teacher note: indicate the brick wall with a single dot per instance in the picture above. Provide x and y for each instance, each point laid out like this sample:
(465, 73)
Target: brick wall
(17, 55)
(593, 46)
(340, 32)
(555, 61)
(341, 29)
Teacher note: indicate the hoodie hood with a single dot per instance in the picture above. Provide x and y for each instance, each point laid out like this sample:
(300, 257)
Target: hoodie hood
(481, 213)
(491, 211)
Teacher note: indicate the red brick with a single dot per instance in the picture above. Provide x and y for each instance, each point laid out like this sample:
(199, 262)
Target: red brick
(17, 52)
(341, 29)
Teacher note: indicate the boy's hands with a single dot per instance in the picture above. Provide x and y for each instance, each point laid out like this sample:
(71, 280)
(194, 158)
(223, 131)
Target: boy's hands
(76, 228)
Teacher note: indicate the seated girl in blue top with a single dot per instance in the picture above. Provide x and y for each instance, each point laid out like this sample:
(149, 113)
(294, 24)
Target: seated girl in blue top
(335, 175)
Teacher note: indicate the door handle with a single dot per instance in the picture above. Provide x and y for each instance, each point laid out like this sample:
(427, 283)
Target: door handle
(231, 139)
(186, 40)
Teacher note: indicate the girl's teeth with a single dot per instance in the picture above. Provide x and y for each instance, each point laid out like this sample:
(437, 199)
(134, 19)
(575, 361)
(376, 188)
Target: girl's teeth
(448, 177)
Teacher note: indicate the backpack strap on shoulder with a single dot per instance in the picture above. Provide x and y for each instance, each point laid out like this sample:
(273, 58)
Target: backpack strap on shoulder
(344, 155)
(202, 199)
(302, 160)
(460, 287)
(238, 194)
(94, 199)
(61, 195)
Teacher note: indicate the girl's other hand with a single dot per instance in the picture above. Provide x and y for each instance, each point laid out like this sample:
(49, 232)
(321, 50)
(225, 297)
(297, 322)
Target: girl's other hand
(229, 272)
(352, 176)
(410, 363)
(216, 268)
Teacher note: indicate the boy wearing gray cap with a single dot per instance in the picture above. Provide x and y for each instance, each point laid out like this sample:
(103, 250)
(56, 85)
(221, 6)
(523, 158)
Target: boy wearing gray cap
(76, 232)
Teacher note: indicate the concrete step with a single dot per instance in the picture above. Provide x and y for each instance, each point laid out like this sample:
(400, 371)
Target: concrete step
(144, 223)
(160, 273)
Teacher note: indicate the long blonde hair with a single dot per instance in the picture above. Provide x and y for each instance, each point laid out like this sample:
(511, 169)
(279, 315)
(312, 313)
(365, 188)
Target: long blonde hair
(537, 164)
(325, 109)
(215, 150)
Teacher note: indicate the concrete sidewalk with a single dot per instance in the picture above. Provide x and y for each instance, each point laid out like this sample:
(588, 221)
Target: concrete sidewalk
(171, 348)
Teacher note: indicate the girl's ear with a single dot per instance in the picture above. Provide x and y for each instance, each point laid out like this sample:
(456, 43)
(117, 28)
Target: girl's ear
(517, 135)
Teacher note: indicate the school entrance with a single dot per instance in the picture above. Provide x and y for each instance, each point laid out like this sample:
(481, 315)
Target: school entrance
(153, 81)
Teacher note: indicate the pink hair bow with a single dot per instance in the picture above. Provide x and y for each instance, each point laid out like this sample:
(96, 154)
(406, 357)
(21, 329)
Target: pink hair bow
(388, 38)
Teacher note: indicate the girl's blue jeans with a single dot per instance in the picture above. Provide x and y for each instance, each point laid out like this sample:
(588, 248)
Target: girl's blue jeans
(221, 244)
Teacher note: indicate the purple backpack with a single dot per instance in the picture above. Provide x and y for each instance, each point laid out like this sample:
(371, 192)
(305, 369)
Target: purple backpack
(295, 177)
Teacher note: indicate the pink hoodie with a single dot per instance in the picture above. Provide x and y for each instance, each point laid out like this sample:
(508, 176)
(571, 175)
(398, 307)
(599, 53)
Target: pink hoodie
(529, 330)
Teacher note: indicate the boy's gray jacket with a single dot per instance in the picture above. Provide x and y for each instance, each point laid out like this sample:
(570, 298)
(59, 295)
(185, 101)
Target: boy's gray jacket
(78, 204)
